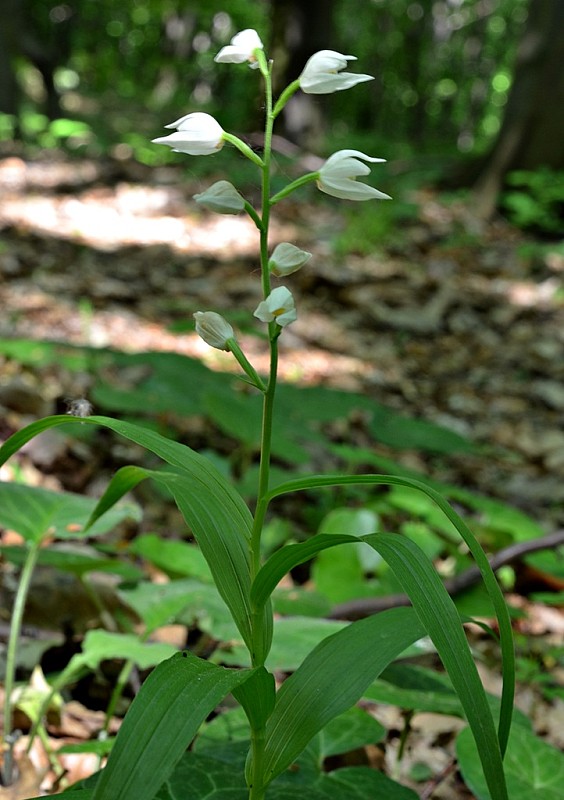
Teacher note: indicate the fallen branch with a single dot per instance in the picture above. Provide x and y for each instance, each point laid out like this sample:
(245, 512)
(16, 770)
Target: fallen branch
(363, 607)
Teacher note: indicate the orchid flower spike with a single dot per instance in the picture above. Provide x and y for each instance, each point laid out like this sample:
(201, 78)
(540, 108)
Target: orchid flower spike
(278, 307)
(242, 48)
(214, 329)
(197, 134)
(337, 176)
(322, 73)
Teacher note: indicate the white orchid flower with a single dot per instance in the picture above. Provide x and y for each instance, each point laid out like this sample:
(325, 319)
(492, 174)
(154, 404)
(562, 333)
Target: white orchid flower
(213, 329)
(197, 134)
(278, 307)
(222, 197)
(322, 73)
(287, 258)
(241, 49)
(337, 176)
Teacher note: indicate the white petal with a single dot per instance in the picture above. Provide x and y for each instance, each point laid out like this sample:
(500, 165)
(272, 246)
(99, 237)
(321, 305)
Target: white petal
(241, 49)
(351, 190)
(278, 307)
(332, 83)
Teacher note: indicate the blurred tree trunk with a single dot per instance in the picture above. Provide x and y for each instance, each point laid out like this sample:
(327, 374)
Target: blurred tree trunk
(298, 31)
(10, 31)
(532, 132)
(42, 35)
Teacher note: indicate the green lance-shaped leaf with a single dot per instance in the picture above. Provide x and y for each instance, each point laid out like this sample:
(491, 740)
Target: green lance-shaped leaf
(331, 679)
(490, 582)
(442, 622)
(214, 511)
(439, 617)
(162, 721)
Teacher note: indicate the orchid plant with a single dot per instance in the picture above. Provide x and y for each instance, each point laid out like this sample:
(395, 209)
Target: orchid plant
(183, 690)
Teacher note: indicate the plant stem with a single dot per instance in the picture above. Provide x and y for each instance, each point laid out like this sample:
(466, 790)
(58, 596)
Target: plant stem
(257, 788)
(15, 629)
(256, 779)
(268, 403)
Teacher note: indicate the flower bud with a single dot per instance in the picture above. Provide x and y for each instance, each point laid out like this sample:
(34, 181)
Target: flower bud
(213, 329)
(222, 197)
(287, 258)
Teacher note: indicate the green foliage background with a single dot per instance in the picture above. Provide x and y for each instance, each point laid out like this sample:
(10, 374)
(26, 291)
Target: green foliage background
(442, 71)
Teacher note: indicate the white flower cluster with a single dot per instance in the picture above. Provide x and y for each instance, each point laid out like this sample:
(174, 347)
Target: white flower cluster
(200, 134)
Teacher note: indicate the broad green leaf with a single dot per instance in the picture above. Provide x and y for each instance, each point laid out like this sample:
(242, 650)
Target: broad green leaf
(441, 621)
(201, 777)
(349, 731)
(205, 776)
(100, 645)
(216, 514)
(339, 575)
(331, 679)
(35, 512)
(488, 577)
(162, 721)
(173, 557)
(160, 604)
(534, 769)
(362, 783)
(225, 728)
(288, 557)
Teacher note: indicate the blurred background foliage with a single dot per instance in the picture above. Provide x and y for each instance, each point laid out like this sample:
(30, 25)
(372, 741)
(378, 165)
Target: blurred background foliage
(470, 90)
(118, 72)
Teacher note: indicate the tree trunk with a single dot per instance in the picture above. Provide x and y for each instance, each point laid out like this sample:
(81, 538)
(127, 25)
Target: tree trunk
(10, 31)
(532, 132)
(299, 30)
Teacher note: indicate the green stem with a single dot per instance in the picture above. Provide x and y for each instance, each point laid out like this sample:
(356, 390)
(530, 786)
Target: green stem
(257, 788)
(256, 783)
(15, 630)
(121, 683)
(243, 148)
(291, 187)
(285, 96)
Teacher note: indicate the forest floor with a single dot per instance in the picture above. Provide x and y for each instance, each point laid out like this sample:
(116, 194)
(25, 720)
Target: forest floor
(451, 320)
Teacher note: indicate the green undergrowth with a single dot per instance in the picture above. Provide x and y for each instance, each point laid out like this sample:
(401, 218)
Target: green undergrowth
(163, 392)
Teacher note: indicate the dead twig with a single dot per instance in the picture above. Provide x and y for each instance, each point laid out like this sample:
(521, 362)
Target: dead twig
(364, 607)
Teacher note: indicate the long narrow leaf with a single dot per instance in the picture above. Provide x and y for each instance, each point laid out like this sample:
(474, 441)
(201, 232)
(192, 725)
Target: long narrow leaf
(490, 582)
(214, 511)
(442, 622)
(331, 679)
(162, 721)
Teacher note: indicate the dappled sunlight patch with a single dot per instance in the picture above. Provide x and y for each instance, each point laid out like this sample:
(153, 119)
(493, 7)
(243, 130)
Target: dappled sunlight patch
(107, 219)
